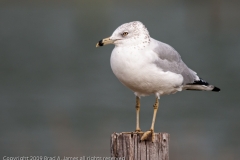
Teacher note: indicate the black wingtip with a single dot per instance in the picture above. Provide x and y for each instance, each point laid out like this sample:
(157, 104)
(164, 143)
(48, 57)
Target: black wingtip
(216, 89)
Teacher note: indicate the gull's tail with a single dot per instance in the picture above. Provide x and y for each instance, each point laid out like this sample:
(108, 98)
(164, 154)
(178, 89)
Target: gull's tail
(201, 85)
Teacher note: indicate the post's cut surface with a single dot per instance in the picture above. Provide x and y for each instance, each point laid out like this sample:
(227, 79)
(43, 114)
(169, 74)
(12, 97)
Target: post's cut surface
(128, 147)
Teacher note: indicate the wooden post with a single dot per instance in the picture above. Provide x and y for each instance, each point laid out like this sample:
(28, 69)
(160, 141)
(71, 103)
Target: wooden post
(127, 146)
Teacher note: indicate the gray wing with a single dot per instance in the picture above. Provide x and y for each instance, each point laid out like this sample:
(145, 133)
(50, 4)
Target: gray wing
(170, 60)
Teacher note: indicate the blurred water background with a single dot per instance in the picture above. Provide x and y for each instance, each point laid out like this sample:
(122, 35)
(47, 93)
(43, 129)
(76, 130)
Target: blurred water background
(59, 97)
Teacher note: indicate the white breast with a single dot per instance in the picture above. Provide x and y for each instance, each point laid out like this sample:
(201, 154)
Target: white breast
(138, 72)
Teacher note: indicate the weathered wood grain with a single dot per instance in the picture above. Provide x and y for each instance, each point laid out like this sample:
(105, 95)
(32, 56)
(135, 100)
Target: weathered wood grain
(130, 147)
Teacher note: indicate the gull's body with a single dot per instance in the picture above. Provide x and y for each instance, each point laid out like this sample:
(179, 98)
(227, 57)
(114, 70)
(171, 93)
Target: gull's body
(148, 66)
(141, 73)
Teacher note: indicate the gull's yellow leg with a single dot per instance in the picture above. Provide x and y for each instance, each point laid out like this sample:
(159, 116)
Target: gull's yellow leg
(155, 108)
(137, 114)
(151, 131)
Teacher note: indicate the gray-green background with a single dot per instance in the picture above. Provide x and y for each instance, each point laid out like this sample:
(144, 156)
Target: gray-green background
(58, 95)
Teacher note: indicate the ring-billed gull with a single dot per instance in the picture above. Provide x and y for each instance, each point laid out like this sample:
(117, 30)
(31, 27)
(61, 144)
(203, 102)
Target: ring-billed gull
(148, 66)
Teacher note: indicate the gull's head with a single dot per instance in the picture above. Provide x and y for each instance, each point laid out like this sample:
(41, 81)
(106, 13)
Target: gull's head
(133, 34)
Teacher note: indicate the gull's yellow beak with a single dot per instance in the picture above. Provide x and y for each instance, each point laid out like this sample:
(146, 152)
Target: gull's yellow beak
(104, 41)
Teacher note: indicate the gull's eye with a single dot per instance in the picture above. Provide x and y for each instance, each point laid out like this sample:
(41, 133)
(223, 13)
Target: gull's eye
(124, 34)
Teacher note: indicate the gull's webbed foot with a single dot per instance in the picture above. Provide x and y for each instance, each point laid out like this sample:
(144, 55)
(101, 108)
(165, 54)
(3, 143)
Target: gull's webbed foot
(147, 134)
(134, 132)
